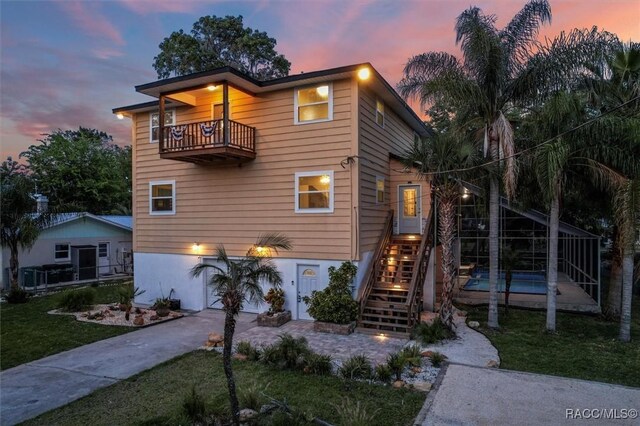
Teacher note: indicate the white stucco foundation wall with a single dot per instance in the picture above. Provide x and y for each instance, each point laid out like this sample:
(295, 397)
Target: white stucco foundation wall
(158, 273)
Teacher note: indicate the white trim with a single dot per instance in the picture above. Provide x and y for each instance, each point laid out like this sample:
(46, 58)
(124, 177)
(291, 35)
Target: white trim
(298, 267)
(418, 206)
(330, 101)
(384, 189)
(173, 114)
(382, 113)
(173, 197)
(297, 191)
(62, 259)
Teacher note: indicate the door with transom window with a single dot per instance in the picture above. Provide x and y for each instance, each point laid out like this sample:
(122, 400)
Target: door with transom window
(409, 211)
(307, 282)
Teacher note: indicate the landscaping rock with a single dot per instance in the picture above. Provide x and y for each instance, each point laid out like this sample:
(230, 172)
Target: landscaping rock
(240, 357)
(154, 318)
(473, 324)
(247, 414)
(215, 338)
(416, 370)
(422, 386)
(426, 354)
(492, 364)
(398, 384)
(175, 315)
(138, 320)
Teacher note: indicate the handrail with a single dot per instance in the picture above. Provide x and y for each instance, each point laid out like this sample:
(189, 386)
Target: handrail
(207, 134)
(374, 266)
(420, 270)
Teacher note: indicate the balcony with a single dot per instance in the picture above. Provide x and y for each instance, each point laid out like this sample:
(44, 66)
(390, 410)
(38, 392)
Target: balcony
(208, 142)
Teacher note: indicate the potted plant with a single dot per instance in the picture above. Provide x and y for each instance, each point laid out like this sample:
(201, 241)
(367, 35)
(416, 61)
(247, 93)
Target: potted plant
(333, 308)
(276, 315)
(174, 303)
(162, 306)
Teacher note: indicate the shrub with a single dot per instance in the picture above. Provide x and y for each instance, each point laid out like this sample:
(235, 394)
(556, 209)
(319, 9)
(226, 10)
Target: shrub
(356, 367)
(396, 363)
(275, 299)
(288, 353)
(318, 364)
(412, 355)
(17, 295)
(354, 414)
(193, 406)
(383, 373)
(436, 359)
(77, 300)
(335, 303)
(433, 333)
(247, 349)
(252, 397)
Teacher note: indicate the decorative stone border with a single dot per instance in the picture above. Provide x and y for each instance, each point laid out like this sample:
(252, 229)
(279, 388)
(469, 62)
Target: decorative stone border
(328, 327)
(266, 320)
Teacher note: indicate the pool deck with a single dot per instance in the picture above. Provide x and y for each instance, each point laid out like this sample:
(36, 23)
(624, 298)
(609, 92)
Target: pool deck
(571, 298)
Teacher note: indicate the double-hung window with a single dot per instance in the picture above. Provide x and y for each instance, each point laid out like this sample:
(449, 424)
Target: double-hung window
(314, 192)
(162, 197)
(380, 113)
(62, 252)
(313, 104)
(154, 123)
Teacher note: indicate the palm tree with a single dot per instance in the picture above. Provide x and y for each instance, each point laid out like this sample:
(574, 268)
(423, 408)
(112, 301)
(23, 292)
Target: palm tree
(500, 69)
(510, 261)
(20, 225)
(432, 155)
(239, 281)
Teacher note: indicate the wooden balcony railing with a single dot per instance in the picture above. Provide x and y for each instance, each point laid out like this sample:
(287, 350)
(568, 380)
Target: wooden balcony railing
(206, 139)
(414, 298)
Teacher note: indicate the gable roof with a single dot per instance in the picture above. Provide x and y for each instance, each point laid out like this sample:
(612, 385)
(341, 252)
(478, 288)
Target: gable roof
(121, 222)
(253, 86)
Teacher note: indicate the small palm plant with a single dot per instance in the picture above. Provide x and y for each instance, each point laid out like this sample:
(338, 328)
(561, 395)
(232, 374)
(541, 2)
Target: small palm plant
(236, 282)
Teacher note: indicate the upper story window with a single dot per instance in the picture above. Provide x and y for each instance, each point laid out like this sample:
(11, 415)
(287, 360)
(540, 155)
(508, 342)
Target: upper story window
(154, 123)
(313, 104)
(380, 112)
(379, 190)
(314, 192)
(62, 252)
(162, 197)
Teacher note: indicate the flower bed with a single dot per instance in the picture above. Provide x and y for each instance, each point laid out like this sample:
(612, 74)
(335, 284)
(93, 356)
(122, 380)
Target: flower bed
(112, 315)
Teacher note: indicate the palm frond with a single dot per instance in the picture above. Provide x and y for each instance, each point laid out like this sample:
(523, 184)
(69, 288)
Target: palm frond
(520, 36)
(504, 130)
(274, 241)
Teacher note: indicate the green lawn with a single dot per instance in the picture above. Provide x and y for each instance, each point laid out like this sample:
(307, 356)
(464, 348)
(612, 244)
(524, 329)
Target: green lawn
(155, 396)
(28, 333)
(584, 347)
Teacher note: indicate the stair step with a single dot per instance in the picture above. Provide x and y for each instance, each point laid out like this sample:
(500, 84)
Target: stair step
(392, 326)
(386, 305)
(374, 309)
(378, 317)
(386, 333)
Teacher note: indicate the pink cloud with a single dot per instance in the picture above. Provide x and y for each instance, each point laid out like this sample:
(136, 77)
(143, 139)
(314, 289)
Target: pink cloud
(147, 7)
(87, 16)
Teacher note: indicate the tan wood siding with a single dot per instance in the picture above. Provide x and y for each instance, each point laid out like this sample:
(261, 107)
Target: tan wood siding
(375, 145)
(232, 204)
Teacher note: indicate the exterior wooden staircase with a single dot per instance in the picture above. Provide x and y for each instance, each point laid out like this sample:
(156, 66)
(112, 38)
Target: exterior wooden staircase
(391, 300)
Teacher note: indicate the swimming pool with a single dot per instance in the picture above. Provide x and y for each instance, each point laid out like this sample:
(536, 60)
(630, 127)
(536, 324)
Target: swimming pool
(522, 282)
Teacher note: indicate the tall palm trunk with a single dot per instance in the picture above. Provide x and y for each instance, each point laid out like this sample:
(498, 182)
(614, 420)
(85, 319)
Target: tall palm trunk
(14, 265)
(494, 251)
(446, 225)
(229, 329)
(552, 262)
(627, 287)
(614, 293)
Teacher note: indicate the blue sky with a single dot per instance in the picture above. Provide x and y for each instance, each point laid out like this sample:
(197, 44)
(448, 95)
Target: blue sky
(65, 64)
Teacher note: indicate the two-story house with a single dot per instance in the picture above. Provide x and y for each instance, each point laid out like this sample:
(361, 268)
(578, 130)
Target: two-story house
(219, 157)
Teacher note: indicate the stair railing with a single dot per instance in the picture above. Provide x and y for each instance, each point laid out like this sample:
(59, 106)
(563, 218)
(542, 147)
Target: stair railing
(373, 269)
(420, 272)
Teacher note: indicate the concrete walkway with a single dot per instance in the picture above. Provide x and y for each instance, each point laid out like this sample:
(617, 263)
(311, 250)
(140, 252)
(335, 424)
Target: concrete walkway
(486, 396)
(39, 386)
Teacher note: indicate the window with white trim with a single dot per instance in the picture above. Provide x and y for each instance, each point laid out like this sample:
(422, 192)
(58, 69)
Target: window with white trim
(314, 192)
(379, 190)
(380, 113)
(154, 123)
(62, 251)
(162, 197)
(313, 104)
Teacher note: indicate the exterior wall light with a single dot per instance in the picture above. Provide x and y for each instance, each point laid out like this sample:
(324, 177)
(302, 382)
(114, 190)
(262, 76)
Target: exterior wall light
(120, 116)
(261, 251)
(212, 87)
(195, 247)
(364, 73)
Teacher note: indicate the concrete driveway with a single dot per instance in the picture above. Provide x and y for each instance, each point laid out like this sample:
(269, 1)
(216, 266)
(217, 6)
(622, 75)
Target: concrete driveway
(39, 386)
(484, 396)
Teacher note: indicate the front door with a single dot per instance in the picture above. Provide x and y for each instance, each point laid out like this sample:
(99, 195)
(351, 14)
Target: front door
(307, 282)
(104, 252)
(410, 215)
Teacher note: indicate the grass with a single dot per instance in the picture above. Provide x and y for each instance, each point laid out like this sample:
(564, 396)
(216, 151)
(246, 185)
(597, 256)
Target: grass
(155, 396)
(583, 347)
(29, 333)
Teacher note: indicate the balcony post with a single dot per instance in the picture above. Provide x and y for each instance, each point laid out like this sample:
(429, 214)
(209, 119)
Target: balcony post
(161, 124)
(225, 112)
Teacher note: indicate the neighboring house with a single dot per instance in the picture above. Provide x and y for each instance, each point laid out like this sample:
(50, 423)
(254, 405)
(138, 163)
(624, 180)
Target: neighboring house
(219, 158)
(79, 246)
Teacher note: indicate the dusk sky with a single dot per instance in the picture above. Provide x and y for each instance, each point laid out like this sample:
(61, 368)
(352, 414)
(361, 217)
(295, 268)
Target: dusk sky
(66, 64)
